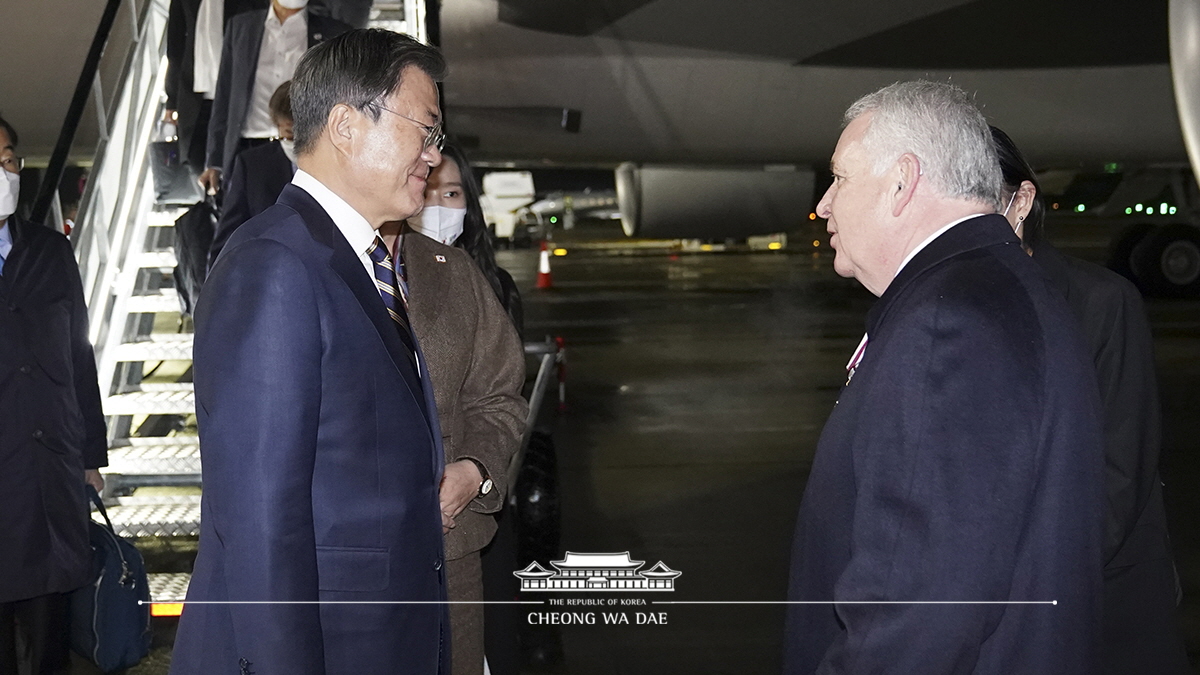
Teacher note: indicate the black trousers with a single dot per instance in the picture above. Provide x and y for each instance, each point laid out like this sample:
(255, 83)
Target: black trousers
(34, 631)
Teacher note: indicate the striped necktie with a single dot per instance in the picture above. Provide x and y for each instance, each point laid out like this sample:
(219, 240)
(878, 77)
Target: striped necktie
(389, 290)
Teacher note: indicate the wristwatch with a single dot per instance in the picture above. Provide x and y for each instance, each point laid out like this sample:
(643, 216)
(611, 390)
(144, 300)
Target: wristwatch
(486, 485)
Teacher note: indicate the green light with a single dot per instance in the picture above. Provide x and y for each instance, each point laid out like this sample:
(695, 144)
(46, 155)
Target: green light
(553, 219)
(1079, 209)
(1150, 210)
(1172, 210)
(1112, 167)
(1128, 211)
(1162, 208)
(1138, 208)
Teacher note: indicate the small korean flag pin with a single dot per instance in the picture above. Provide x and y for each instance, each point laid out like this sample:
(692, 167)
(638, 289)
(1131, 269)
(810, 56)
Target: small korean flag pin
(440, 258)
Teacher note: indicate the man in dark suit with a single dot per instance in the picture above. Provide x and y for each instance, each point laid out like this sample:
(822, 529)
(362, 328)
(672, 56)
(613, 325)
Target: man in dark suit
(52, 439)
(962, 463)
(318, 428)
(259, 174)
(260, 53)
(189, 103)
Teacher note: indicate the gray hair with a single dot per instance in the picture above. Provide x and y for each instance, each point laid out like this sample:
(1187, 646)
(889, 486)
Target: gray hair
(939, 123)
(359, 68)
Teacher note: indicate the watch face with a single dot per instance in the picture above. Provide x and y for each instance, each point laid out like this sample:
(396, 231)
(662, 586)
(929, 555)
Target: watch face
(486, 486)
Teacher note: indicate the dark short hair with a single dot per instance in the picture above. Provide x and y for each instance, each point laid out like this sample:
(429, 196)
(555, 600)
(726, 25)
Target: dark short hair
(8, 129)
(357, 68)
(1016, 169)
(280, 104)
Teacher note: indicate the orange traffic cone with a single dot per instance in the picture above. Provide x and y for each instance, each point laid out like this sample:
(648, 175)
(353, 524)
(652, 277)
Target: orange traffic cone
(544, 280)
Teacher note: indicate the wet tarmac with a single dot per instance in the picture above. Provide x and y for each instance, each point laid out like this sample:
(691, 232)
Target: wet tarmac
(697, 386)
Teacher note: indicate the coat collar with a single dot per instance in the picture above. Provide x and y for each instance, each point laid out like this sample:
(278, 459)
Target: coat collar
(969, 235)
(427, 278)
(345, 264)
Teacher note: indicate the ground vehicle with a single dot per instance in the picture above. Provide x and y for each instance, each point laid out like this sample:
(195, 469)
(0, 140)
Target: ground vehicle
(1142, 222)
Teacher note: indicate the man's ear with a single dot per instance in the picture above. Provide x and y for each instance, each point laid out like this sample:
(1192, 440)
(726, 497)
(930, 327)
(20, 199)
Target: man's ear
(342, 127)
(908, 168)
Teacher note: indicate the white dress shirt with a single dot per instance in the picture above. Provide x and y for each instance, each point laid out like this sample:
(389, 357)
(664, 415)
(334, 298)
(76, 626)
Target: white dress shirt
(283, 44)
(349, 222)
(206, 53)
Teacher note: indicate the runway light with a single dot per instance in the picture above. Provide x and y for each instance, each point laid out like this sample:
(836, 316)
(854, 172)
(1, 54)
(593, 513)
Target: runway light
(1172, 210)
(1138, 208)
(1054, 206)
(1079, 209)
(706, 247)
(812, 216)
(816, 243)
(1128, 210)
(553, 219)
(1162, 208)
(560, 252)
(774, 246)
(166, 609)
(1150, 210)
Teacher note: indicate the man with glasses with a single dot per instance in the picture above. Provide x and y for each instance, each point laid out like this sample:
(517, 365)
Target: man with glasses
(52, 434)
(321, 536)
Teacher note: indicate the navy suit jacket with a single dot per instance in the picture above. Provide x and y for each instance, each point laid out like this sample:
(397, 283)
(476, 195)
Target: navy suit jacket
(235, 81)
(259, 176)
(320, 465)
(962, 462)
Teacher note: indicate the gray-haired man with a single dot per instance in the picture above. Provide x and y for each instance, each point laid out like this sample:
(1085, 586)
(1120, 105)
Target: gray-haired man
(962, 464)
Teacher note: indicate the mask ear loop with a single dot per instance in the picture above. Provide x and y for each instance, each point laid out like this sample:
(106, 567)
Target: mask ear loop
(1010, 202)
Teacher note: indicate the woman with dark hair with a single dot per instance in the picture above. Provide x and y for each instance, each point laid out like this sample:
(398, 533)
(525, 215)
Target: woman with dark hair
(453, 216)
(1141, 630)
(454, 293)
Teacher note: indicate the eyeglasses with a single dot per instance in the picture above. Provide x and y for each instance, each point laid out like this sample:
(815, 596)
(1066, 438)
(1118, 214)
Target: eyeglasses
(16, 164)
(434, 136)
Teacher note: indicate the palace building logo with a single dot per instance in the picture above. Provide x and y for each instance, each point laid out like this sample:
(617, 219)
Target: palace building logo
(597, 572)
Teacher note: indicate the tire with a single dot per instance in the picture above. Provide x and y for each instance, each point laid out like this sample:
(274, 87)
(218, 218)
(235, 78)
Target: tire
(1120, 255)
(1166, 263)
(536, 503)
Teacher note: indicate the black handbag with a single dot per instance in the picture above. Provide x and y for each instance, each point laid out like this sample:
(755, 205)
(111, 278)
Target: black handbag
(110, 617)
(194, 232)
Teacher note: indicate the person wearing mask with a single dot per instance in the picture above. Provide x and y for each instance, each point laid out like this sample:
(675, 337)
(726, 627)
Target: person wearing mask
(260, 52)
(259, 174)
(195, 29)
(52, 439)
(1141, 632)
(477, 367)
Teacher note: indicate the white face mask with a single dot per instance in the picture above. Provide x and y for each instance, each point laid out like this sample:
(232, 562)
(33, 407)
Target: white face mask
(289, 149)
(293, 4)
(441, 223)
(10, 190)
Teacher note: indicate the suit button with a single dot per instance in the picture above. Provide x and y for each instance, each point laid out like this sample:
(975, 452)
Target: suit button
(25, 370)
(38, 434)
(437, 565)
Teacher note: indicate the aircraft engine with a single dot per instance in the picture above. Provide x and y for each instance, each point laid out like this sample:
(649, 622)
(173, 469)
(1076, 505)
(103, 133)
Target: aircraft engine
(696, 202)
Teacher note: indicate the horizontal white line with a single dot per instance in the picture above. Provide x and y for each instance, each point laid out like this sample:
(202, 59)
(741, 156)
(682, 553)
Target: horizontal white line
(854, 602)
(342, 602)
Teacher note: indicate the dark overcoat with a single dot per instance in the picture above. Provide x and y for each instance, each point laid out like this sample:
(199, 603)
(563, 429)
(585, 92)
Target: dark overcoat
(962, 463)
(320, 463)
(53, 426)
(1141, 629)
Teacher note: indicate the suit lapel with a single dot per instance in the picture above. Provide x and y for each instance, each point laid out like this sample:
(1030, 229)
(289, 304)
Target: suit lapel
(345, 264)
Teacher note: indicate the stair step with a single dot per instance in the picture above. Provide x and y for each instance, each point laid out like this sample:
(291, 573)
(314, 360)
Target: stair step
(164, 217)
(177, 398)
(164, 260)
(159, 347)
(166, 300)
(167, 460)
(169, 586)
(165, 516)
